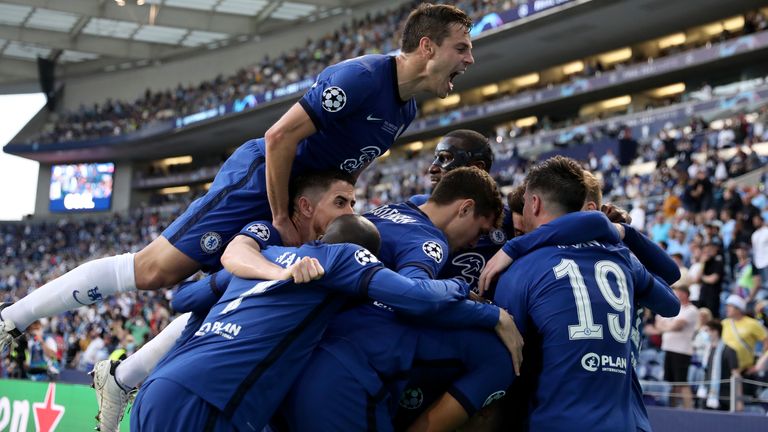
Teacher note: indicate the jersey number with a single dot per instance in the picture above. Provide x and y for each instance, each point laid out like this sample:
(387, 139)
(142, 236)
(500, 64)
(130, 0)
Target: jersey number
(586, 328)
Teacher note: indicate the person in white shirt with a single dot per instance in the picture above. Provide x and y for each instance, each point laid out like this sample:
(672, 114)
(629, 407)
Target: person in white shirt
(760, 249)
(677, 344)
(637, 214)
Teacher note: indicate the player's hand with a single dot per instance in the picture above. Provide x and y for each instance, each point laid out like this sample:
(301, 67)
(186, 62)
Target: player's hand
(287, 230)
(495, 266)
(511, 338)
(306, 270)
(616, 214)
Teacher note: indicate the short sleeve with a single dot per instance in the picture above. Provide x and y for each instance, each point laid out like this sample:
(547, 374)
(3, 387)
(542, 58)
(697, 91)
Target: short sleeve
(426, 253)
(349, 269)
(338, 94)
(263, 233)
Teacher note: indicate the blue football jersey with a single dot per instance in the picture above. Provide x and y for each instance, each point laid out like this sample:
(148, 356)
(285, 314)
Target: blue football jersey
(251, 345)
(369, 339)
(259, 332)
(409, 238)
(356, 108)
(577, 302)
(468, 264)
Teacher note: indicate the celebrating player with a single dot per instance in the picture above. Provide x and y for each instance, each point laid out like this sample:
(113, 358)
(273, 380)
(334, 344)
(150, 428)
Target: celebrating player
(579, 351)
(317, 199)
(351, 115)
(235, 370)
(367, 351)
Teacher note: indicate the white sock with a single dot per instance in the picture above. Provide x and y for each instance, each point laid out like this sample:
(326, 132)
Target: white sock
(82, 286)
(137, 367)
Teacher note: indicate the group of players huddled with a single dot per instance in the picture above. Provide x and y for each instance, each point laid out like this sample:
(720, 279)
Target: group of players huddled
(410, 317)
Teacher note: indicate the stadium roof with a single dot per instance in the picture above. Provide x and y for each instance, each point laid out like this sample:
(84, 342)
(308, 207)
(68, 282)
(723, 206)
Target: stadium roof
(115, 34)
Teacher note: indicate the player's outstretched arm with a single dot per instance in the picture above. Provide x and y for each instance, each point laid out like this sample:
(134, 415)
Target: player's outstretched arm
(282, 139)
(416, 297)
(577, 227)
(656, 295)
(243, 258)
(653, 257)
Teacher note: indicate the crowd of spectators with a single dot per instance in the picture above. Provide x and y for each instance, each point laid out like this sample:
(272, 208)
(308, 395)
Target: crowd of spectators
(688, 203)
(36, 252)
(372, 34)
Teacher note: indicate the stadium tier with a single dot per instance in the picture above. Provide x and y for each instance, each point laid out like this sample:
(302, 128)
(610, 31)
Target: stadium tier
(217, 285)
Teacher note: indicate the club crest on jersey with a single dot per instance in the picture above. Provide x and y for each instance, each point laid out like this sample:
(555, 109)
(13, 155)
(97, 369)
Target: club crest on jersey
(260, 230)
(497, 236)
(334, 99)
(494, 397)
(364, 257)
(411, 398)
(433, 250)
(210, 242)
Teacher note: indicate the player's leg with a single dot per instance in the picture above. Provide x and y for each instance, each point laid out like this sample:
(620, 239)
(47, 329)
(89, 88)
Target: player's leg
(163, 405)
(326, 397)
(194, 240)
(114, 381)
(83, 286)
(158, 265)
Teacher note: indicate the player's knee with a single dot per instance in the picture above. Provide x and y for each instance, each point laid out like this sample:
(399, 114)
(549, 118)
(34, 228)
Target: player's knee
(161, 265)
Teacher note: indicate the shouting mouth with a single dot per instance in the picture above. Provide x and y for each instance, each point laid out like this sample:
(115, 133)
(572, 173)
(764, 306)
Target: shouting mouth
(451, 77)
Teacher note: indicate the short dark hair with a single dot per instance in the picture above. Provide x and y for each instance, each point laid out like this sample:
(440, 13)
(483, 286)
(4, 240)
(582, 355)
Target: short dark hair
(559, 181)
(476, 145)
(433, 21)
(515, 199)
(715, 325)
(353, 228)
(314, 182)
(470, 183)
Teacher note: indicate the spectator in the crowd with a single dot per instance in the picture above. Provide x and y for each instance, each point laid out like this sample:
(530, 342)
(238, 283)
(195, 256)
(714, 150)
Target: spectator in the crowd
(720, 363)
(741, 332)
(744, 277)
(711, 278)
(760, 249)
(637, 214)
(677, 344)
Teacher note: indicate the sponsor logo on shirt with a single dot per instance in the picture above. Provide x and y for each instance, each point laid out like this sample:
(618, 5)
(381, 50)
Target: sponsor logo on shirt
(226, 330)
(210, 242)
(368, 155)
(471, 264)
(592, 362)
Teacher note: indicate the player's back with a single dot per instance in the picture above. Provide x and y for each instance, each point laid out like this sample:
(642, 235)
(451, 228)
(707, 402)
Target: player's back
(579, 307)
(232, 359)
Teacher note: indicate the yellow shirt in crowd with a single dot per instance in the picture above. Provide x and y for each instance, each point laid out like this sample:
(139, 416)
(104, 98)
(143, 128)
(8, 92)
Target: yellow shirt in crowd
(751, 332)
